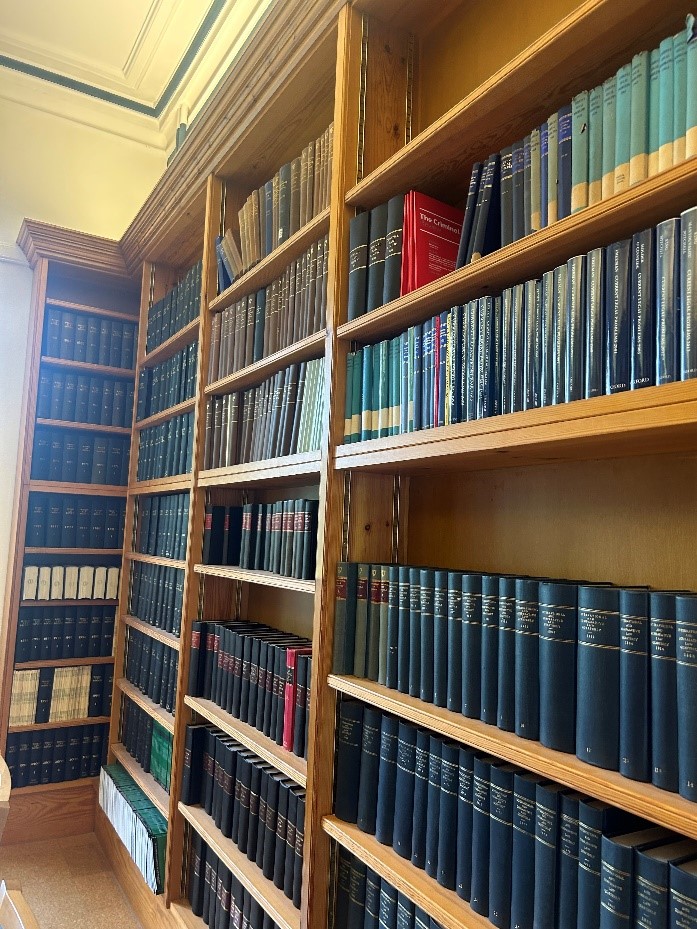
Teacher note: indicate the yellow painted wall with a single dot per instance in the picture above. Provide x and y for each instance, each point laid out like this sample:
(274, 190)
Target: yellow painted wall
(68, 173)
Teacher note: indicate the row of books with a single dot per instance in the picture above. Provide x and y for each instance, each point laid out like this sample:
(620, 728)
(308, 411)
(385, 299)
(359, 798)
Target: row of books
(70, 582)
(166, 449)
(51, 756)
(175, 310)
(280, 537)
(398, 246)
(168, 383)
(156, 595)
(137, 822)
(640, 121)
(298, 191)
(217, 896)
(364, 900)
(282, 416)
(147, 741)
(257, 674)
(96, 340)
(152, 666)
(80, 457)
(82, 398)
(523, 851)
(252, 803)
(604, 672)
(55, 633)
(164, 522)
(292, 307)
(73, 521)
(51, 695)
(616, 319)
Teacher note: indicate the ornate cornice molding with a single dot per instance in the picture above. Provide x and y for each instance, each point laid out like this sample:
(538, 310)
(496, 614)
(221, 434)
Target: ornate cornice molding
(42, 240)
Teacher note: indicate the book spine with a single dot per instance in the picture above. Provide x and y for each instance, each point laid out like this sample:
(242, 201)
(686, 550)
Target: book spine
(686, 673)
(557, 657)
(505, 718)
(642, 323)
(471, 645)
(546, 855)
(664, 708)
(564, 155)
(523, 852)
(634, 685)
(639, 122)
(623, 111)
(349, 743)
(579, 151)
(688, 307)
(479, 893)
(609, 136)
(404, 790)
(384, 823)
(667, 296)
(500, 846)
(617, 296)
(666, 127)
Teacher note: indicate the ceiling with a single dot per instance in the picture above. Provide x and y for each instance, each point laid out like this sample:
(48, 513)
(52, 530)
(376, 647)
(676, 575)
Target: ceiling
(144, 57)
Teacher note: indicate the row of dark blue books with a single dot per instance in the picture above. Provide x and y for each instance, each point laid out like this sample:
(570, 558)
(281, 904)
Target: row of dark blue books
(164, 522)
(175, 310)
(168, 383)
(525, 852)
(80, 457)
(152, 666)
(47, 633)
(50, 756)
(166, 449)
(156, 595)
(78, 398)
(606, 672)
(86, 338)
(74, 521)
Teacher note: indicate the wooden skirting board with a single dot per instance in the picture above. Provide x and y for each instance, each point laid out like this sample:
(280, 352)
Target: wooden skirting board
(51, 813)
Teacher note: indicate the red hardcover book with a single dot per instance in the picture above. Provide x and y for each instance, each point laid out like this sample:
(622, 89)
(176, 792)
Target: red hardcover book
(435, 235)
(289, 694)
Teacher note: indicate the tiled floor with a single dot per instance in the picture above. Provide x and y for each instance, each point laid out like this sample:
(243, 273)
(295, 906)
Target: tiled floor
(68, 884)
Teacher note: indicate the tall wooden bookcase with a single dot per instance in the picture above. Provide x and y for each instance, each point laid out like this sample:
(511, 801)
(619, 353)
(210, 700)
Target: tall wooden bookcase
(602, 489)
(86, 275)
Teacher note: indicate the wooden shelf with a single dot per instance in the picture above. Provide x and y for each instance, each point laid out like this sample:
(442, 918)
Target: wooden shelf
(266, 748)
(86, 602)
(184, 407)
(85, 367)
(181, 910)
(43, 550)
(60, 724)
(658, 806)
(653, 420)
(305, 350)
(263, 578)
(159, 634)
(272, 900)
(273, 266)
(444, 905)
(186, 335)
(155, 559)
(92, 310)
(162, 485)
(85, 490)
(158, 713)
(284, 470)
(62, 662)
(147, 783)
(61, 785)
(645, 204)
(83, 427)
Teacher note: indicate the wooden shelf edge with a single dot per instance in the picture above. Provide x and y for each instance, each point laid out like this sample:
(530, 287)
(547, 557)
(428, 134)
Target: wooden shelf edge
(42, 550)
(162, 485)
(62, 663)
(83, 427)
(60, 724)
(611, 425)
(86, 602)
(174, 343)
(444, 905)
(169, 638)
(181, 910)
(147, 783)
(285, 761)
(656, 805)
(91, 782)
(269, 470)
(160, 715)
(184, 407)
(92, 310)
(272, 900)
(155, 559)
(304, 350)
(635, 208)
(85, 490)
(88, 367)
(274, 264)
(262, 578)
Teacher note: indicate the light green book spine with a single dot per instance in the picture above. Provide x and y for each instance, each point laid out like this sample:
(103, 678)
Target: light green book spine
(665, 104)
(356, 383)
(639, 134)
(654, 109)
(609, 118)
(691, 82)
(595, 144)
(535, 169)
(623, 115)
(679, 95)
(395, 385)
(579, 151)
(379, 383)
(349, 397)
(552, 167)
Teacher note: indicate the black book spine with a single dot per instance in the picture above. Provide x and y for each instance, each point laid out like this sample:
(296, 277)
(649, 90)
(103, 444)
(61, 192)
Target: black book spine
(435, 749)
(686, 662)
(358, 264)
(448, 816)
(557, 657)
(501, 845)
(490, 645)
(506, 655)
(617, 297)
(393, 249)
(523, 851)
(369, 768)
(421, 758)
(664, 691)
(404, 790)
(471, 644)
(376, 257)
(349, 743)
(384, 823)
(479, 895)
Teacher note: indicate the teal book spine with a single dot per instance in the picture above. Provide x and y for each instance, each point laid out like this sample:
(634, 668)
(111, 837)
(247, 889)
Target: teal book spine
(609, 118)
(366, 407)
(347, 405)
(382, 428)
(639, 123)
(356, 385)
(378, 390)
(665, 104)
(679, 96)
(691, 82)
(579, 151)
(654, 110)
(535, 203)
(395, 386)
(623, 116)
(595, 144)
(552, 170)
